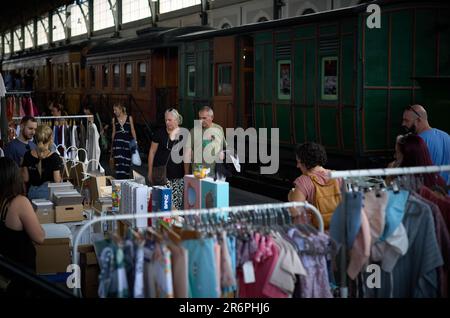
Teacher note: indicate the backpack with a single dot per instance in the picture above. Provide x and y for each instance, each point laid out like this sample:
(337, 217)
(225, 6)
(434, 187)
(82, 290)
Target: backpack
(327, 197)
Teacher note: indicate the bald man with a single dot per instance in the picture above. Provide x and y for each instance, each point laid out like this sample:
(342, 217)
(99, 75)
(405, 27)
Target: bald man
(415, 120)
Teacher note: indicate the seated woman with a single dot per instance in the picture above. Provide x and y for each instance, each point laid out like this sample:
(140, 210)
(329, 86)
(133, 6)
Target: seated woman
(19, 225)
(314, 185)
(41, 165)
(412, 151)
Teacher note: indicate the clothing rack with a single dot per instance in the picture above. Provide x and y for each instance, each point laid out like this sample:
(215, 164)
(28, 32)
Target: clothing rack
(345, 174)
(58, 117)
(233, 209)
(18, 93)
(387, 171)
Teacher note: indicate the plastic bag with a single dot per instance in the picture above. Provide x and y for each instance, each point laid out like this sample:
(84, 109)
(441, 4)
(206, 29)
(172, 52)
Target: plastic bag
(136, 158)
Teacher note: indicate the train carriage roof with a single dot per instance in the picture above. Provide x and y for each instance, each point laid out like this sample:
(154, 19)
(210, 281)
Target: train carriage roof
(147, 38)
(304, 19)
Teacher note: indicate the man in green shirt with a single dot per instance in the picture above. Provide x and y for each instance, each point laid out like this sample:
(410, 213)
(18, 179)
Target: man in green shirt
(206, 142)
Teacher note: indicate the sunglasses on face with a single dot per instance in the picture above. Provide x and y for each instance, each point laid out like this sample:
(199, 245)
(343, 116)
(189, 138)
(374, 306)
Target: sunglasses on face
(413, 110)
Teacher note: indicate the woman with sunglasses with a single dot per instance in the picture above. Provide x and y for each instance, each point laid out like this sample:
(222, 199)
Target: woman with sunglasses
(162, 170)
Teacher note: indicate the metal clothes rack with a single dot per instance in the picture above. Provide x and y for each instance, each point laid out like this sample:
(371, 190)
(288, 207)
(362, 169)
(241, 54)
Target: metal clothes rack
(18, 93)
(234, 209)
(346, 174)
(58, 117)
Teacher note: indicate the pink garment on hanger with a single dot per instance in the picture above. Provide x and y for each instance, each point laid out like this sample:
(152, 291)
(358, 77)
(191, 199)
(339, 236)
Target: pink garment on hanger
(10, 108)
(360, 252)
(33, 106)
(21, 111)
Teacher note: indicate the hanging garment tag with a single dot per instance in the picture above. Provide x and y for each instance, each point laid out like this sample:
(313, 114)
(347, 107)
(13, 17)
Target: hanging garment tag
(249, 272)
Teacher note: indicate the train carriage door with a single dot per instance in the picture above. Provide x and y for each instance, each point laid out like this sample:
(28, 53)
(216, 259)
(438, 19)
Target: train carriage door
(224, 81)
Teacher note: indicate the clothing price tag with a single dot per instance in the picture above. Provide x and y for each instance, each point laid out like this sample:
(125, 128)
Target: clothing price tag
(249, 272)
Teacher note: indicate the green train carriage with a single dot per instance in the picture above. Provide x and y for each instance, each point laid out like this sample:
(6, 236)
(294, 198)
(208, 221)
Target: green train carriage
(325, 77)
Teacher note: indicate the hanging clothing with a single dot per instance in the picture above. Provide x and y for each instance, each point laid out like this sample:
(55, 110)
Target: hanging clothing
(74, 142)
(10, 108)
(202, 268)
(138, 290)
(180, 273)
(121, 149)
(92, 146)
(21, 109)
(443, 239)
(2, 87)
(158, 271)
(415, 275)
(443, 202)
(314, 251)
(360, 251)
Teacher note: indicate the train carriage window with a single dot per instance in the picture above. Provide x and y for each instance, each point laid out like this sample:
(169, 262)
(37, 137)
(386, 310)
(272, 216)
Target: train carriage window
(67, 75)
(191, 80)
(37, 83)
(128, 76)
(284, 79)
(92, 76)
(224, 87)
(76, 75)
(60, 76)
(329, 89)
(105, 74)
(116, 79)
(142, 75)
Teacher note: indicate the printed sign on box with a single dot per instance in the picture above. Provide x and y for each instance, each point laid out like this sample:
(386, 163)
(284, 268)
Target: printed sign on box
(192, 192)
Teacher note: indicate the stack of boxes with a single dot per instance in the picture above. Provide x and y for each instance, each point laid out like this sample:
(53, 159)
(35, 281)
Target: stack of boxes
(205, 193)
(64, 204)
(134, 200)
(68, 205)
(44, 210)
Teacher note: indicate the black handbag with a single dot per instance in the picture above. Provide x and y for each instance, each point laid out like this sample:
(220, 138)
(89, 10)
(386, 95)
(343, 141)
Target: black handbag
(159, 175)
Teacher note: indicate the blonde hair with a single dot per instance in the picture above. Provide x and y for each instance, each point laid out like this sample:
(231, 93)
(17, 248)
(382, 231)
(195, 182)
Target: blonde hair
(43, 136)
(176, 114)
(121, 107)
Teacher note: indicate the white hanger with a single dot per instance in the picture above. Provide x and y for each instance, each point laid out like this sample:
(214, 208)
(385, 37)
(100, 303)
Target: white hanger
(100, 166)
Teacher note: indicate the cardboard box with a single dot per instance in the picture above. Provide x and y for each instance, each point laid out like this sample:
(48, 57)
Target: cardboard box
(97, 185)
(161, 199)
(73, 172)
(53, 256)
(103, 204)
(67, 197)
(46, 216)
(69, 213)
(58, 186)
(215, 194)
(44, 210)
(192, 192)
(89, 271)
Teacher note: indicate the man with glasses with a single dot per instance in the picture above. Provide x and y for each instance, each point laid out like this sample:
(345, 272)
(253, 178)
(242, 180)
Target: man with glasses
(16, 149)
(415, 120)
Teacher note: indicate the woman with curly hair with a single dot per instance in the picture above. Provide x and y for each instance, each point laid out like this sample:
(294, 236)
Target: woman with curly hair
(314, 185)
